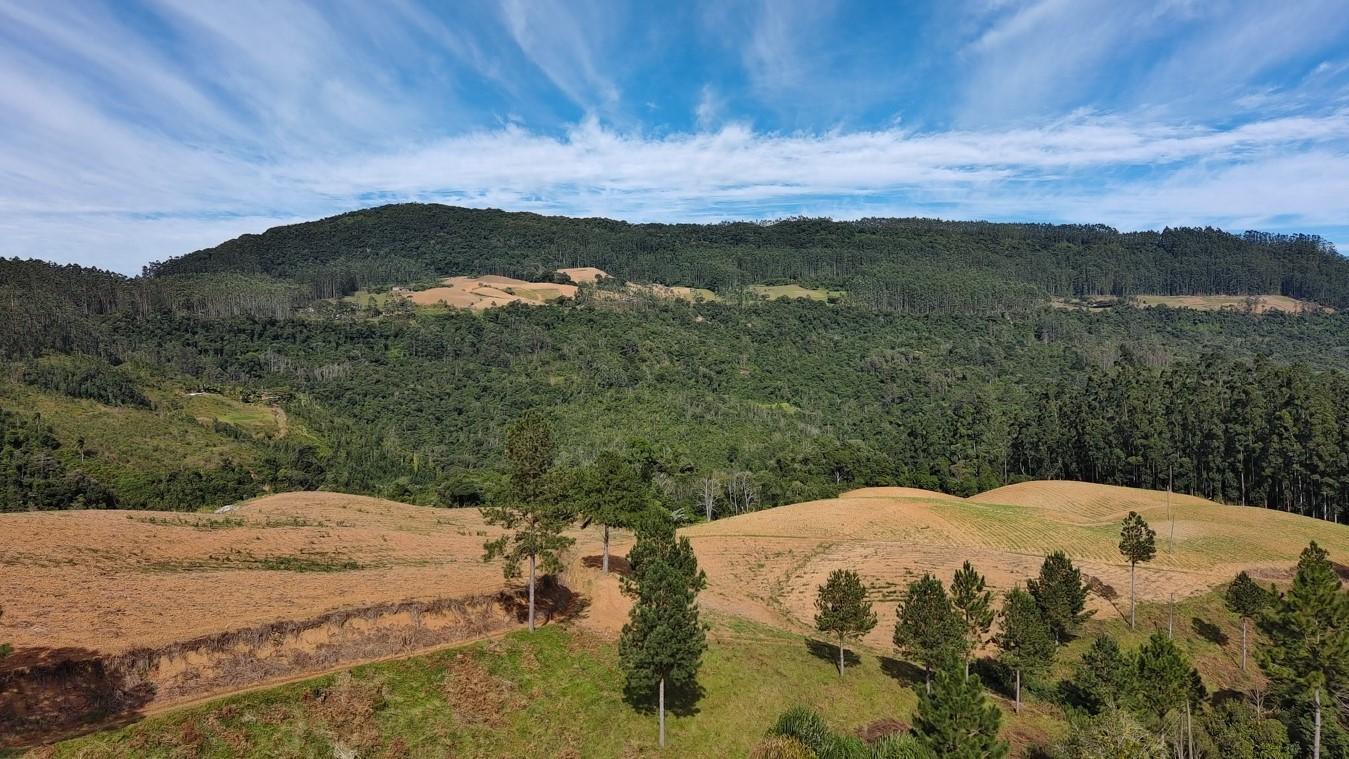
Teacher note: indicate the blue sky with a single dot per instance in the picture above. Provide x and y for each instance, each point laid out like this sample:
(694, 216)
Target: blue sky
(135, 130)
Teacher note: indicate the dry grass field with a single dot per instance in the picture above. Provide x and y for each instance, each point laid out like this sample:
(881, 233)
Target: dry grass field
(488, 291)
(766, 565)
(1259, 304)
(298, 583)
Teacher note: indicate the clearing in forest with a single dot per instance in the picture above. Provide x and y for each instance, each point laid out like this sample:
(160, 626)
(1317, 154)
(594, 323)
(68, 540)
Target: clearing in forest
(1256, 304)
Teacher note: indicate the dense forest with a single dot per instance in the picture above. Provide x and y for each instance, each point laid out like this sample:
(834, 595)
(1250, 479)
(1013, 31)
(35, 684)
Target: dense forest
(943, 367)
(905, 264)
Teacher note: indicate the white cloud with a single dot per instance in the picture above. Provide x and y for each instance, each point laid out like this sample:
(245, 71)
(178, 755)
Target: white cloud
(119, 150)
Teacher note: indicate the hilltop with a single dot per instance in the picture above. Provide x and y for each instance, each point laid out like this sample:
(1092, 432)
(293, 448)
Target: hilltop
(917, 265)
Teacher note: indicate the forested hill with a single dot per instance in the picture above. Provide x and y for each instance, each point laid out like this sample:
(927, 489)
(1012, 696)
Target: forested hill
(913, 265)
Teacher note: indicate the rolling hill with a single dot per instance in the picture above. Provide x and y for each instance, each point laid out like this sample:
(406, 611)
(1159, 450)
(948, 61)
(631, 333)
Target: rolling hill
(298, 583)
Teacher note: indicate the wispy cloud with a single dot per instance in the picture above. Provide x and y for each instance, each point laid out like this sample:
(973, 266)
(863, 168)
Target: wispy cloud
(134, 137)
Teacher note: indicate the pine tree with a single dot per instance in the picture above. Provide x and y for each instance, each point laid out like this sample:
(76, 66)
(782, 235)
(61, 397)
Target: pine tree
(1104, 677)
(1307, 657)
(612, 492)
(955, 720)
(974, 604)
(1164, 680)
(1137, 542)
(1061, 595)
(1245, 598)
(926, 626)
(842, 609)
(663, 641)
(1024, 638)
(533, 514)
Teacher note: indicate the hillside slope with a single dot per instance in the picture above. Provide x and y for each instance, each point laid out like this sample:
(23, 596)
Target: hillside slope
(908, 264)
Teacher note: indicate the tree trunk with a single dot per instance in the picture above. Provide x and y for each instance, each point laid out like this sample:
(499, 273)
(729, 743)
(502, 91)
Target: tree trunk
(927, 679)
(1018, 691)
(1243, 644)
(1133, 597)
(840, 656)
(1316, 736)
(662, 712)
(606, 549)
(532, 560)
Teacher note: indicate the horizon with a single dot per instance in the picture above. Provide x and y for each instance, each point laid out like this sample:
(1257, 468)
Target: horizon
(144, 131)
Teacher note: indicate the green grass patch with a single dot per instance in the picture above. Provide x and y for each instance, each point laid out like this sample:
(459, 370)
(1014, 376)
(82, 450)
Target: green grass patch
(773, 292)
(558, 692)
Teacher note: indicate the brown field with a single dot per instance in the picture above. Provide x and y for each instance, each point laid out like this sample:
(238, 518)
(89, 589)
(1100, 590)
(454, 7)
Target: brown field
(767, 564)
(1259, 304)
(296, 583)
(489, 291)
(583, 275)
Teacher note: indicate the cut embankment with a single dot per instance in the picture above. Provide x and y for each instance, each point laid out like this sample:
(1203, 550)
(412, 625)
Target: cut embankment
(46, 693)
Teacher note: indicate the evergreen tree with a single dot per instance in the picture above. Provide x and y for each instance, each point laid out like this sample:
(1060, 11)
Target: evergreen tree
(1245, 598)
(663, 641)
(1061, 595)
(1104, 677)
(955, 719)
(1307, 657)
(927, 629)
(1164, 681)
(974, 604)
(612, 492)
(1025, 639)
(533, 515)
(1137, 542)
(842, 609)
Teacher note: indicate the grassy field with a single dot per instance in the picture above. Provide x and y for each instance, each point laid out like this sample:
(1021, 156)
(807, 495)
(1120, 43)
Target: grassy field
(122, 439)
(772, 292)
(559, 693)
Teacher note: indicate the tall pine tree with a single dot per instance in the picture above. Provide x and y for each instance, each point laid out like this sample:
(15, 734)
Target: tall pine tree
(842, 609)
(1307, 658)
(1137, 542)
(1024, 637)
(613, 492)
(533, 515)
(927, 629)
(663, 641)
(974, 604)
(1245, 598)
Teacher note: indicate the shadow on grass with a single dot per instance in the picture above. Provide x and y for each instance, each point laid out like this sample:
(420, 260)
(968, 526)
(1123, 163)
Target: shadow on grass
(47, 693)
(553, 602)
(905, 673)
(679, 701)
(1209, 631)
(829, 652)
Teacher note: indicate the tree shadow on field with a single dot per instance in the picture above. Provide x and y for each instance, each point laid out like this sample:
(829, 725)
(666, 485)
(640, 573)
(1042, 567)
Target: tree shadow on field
(49, 693)
(1209, 631)
(680, 702)
(829, 652)
(618, 565)
(907, 674)
(553, 602)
